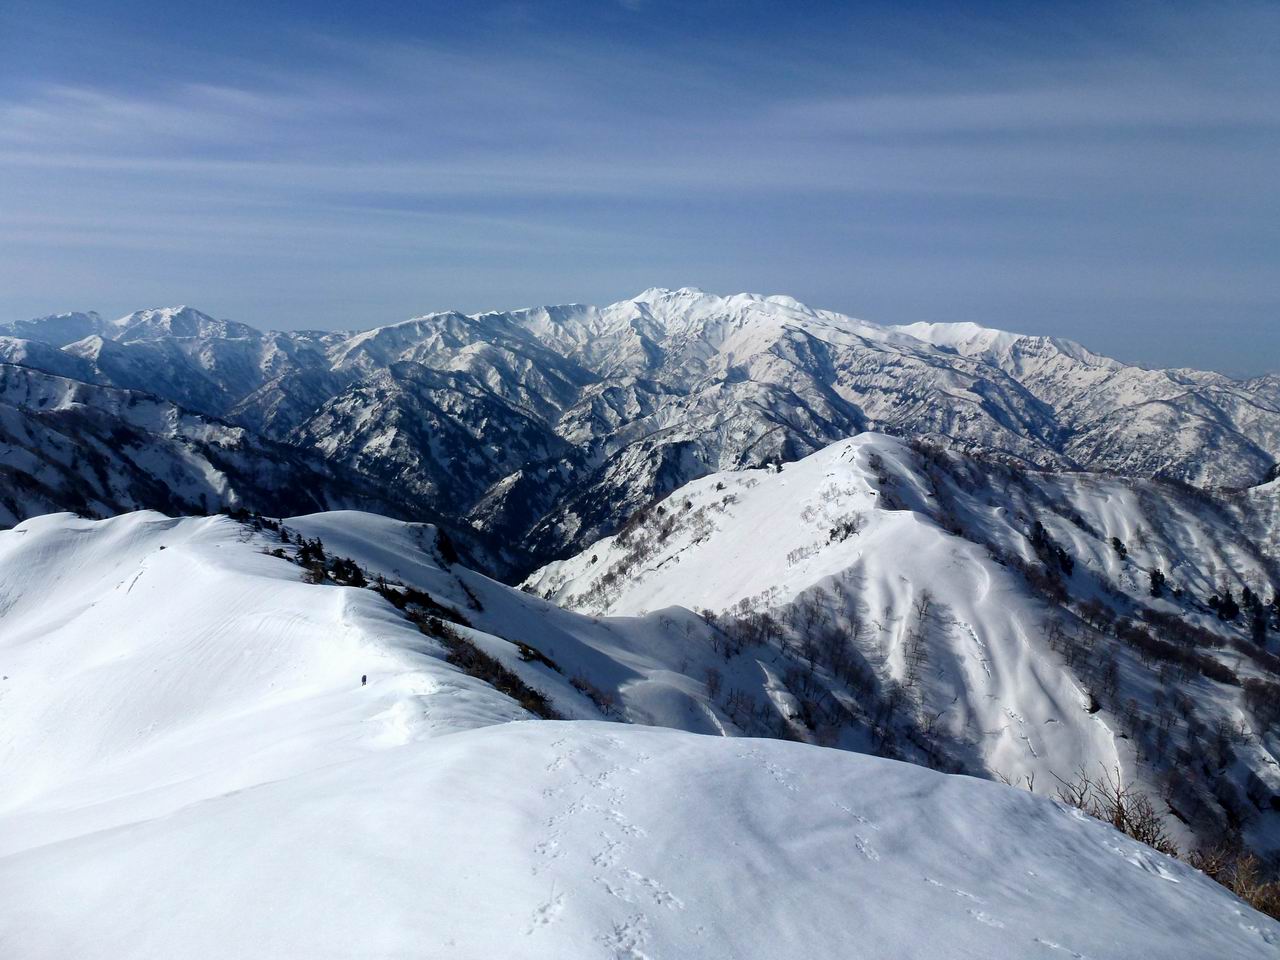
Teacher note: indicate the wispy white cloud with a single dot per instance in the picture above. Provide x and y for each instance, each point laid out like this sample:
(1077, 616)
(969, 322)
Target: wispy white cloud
(600, 161)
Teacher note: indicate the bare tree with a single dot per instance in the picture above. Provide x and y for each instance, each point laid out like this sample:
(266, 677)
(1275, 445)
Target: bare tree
(714, 681)
(1122, 805)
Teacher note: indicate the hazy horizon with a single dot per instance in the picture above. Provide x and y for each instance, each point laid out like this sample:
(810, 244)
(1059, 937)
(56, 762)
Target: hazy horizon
(357, 327)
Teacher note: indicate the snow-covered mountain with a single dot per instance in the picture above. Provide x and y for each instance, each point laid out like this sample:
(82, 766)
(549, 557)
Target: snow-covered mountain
(548, 427)
(1125, 418)
(974, 616)
(191, 766)
(70, 445)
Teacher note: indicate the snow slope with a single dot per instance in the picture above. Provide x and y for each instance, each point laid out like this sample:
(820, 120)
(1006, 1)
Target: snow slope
(766, 542)
(190, 767)
(766, 531)
(879, 582)
(588, 840)
(1260, 506)
(152, 662)
(650, 667)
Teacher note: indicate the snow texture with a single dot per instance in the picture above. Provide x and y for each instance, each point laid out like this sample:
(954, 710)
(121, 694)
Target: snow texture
(190, 767)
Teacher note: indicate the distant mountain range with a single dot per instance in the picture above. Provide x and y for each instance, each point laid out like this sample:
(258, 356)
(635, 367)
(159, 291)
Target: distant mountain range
(544, 429)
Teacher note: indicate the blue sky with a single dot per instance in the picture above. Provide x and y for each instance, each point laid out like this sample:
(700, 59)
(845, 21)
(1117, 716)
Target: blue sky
(1105, 172)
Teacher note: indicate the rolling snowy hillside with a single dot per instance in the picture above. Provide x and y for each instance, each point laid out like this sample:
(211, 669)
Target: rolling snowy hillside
(99, 451)
(548, 427)
(976, 617)
(190, 766)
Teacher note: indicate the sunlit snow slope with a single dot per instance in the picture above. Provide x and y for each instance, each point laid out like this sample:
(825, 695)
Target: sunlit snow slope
(885, 585)
(189, 767)
(766, 540)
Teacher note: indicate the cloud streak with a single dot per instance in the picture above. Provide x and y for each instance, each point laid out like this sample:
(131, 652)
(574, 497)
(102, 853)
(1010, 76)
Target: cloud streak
(1016, 189)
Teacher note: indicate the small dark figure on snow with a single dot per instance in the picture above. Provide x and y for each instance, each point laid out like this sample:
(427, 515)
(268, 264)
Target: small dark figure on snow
(364, 679)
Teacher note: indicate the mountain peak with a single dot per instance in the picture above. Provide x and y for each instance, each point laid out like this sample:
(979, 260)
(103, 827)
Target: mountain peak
(666, 293)
(180, 321)
(56, 329)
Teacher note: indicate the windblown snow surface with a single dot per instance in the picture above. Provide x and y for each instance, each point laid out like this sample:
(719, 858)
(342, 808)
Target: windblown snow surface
(189, 767)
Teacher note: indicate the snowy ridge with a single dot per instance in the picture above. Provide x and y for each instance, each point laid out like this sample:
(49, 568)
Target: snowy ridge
(894, 573)
(172, 654)
(66, 444)
(998, 684)
(972, 339)
(192, 768)
(633, 661)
